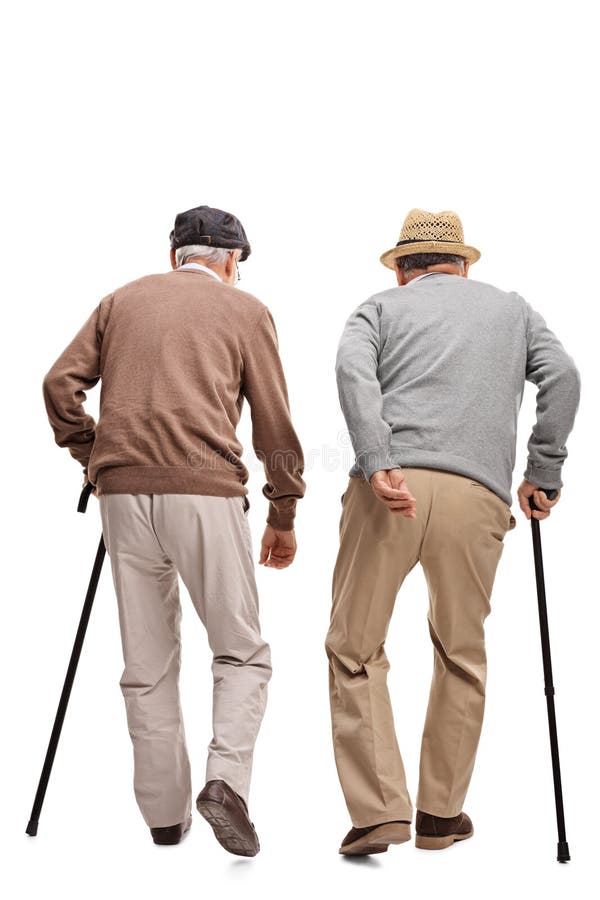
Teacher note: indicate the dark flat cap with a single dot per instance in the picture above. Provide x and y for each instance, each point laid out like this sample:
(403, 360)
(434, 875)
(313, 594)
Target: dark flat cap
(211, 226)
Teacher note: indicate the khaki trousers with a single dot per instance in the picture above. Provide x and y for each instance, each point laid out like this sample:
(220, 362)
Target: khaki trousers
(151, 538)
(457, 537)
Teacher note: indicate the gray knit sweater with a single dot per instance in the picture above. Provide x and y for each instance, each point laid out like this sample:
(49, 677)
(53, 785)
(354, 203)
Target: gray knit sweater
(432, 374)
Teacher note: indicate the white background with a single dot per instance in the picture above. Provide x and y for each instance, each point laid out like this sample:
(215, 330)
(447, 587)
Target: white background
(320, 125)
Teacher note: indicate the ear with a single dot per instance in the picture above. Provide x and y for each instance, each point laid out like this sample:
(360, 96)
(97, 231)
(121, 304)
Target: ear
(230, 264)
(400, 276)
(173, 260)
(466, 269)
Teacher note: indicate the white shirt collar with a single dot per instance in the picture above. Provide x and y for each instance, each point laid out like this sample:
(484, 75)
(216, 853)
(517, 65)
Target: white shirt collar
(195, 265)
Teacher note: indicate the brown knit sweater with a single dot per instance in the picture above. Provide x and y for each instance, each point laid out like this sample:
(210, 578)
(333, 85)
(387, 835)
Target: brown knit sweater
(177, 353)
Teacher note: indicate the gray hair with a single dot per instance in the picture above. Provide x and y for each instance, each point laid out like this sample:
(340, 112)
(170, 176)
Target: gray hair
(422, 260)
(208, 254)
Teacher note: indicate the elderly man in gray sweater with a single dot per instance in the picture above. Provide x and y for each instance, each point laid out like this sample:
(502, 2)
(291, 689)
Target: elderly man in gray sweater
(431, 377)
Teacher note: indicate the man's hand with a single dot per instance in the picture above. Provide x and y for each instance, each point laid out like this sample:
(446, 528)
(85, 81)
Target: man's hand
(389, 486)
(525, 491)
(277, 549)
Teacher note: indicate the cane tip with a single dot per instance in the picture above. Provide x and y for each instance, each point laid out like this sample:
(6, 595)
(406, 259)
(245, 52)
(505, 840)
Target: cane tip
(32, 828)
(563, 855)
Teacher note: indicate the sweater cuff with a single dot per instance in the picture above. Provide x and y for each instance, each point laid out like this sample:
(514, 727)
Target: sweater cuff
(549, 478)
(375, 460)
(281, 519)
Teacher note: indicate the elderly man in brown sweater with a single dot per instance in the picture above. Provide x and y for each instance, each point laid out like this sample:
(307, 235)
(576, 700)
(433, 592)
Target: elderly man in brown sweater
(177, 353)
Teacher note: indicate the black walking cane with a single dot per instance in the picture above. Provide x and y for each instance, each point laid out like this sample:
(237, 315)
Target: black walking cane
(32, 826)
(563, 848)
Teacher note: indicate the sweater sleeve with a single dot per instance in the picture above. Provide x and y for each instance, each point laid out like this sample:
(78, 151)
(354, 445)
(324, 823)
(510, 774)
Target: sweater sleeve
(76, 371)
(360, 392)
(558, 381)
(273, 437)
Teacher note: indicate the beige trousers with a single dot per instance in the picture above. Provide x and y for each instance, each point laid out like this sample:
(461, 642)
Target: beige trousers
(457, 537)
(151, 538)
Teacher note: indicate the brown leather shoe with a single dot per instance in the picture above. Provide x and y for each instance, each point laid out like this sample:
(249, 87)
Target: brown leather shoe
(171, 834)
(227, 814)
(375, 838)
(436, 832)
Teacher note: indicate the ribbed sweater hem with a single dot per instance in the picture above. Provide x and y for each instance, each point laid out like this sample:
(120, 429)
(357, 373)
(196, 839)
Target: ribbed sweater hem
(168, 480)
(433, 459)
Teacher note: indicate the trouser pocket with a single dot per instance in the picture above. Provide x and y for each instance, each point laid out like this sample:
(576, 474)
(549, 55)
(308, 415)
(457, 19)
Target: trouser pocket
(511, 522)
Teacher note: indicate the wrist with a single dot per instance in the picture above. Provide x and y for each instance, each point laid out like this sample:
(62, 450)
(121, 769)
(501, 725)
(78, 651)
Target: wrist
(281, 520)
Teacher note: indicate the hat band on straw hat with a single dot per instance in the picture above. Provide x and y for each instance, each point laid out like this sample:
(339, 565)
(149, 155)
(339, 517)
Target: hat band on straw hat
(421, 240)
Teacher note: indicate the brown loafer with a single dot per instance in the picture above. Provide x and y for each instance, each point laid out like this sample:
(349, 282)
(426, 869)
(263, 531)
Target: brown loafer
(375, 839)
(227, 814)
(170, 834)
(437, 832)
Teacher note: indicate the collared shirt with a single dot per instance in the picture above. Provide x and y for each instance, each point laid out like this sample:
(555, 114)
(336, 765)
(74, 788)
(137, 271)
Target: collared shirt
(195, 265)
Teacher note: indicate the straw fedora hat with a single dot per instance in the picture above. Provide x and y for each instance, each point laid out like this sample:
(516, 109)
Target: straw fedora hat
(428, 232)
